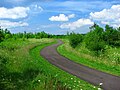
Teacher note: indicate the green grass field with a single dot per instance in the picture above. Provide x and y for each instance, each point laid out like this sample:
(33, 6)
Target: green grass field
(106, 62)
(22, 68)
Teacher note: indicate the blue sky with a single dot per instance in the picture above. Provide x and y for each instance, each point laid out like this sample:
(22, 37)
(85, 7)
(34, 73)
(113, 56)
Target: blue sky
(58, 16)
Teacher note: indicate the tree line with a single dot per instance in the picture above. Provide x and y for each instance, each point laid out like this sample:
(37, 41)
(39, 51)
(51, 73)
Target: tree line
(6, 34)
(97, 39)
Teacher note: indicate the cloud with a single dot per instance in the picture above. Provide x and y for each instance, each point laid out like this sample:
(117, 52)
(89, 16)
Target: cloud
(9, 24)
(71, 16)
(14, 13)
(49, 26)
(61, 17)
(36, 9)
(108, 16)
(77, 24)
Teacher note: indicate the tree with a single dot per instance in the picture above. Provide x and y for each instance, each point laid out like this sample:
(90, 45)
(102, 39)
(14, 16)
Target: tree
(75, 39)
(1, 35)
(111, 36)
(94, 39)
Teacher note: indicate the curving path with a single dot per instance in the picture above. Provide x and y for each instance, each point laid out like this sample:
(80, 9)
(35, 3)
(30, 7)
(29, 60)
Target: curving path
(93, 76)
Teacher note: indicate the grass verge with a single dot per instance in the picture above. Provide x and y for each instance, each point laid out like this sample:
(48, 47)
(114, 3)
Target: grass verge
(22, 68)
(76, 56)
(54, 78)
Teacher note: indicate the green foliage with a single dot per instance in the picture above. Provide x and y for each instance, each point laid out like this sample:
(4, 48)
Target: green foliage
(112, 36)
(56, 77)
(7, 36)
(24, 69)
(110, 63)
(97, 39)
(4, 34)
(20, 71)
(1, 35)
(94, 39)
(16, 72)
(75, 39)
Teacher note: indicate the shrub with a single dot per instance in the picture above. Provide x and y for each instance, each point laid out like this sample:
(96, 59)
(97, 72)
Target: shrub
(1, 35)
(75, 39)
(112, 36)
(94, 40)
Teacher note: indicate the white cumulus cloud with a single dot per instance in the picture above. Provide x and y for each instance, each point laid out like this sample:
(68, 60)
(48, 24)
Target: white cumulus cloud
(9, 24)
(108, 16)
(77, 24)
(61, 17)
(14, 13)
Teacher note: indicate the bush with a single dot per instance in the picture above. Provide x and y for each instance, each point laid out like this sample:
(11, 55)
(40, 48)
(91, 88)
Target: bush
(75, 39)
(1, 35)
(94, 40)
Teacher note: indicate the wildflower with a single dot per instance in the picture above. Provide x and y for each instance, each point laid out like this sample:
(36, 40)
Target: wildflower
(99, 89)
(101, 84)
(71, 78)
(38, 80)
(94, 87)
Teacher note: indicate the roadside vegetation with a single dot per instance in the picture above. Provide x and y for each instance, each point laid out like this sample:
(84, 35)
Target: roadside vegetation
(22, 67)
(99, 48)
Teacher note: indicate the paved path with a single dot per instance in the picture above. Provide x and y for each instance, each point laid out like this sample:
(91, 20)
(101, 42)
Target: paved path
(93, 76)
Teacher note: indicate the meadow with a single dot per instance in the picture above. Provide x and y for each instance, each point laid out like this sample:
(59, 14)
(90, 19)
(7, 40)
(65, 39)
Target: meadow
(22, 68)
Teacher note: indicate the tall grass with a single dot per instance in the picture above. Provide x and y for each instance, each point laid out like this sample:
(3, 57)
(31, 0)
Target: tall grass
(17, 71)
(57, 79)
(22, 68)
(107, 62)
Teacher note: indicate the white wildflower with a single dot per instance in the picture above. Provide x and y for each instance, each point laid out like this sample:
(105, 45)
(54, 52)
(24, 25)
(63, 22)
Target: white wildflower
(99, 89)
(75, 81)
(101, 84)
(38, 80)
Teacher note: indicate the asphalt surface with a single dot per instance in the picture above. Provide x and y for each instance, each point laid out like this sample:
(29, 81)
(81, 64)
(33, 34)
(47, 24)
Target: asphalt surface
(95, 77)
